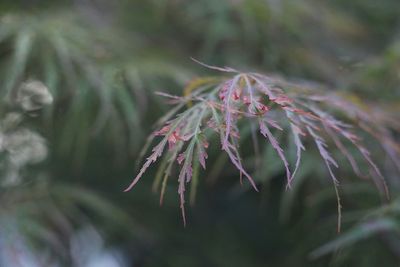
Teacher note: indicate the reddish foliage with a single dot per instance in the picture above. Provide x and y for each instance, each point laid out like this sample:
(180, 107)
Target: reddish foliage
(255, 97)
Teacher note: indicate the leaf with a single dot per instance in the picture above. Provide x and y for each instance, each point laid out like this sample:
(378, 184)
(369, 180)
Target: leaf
(157, 152)
(328, 162)
(299, 147)
(267, 134)
(185, 176)
(23, 45)
(358, 233)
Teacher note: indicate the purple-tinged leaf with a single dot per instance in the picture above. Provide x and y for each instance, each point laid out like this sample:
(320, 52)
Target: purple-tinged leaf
(202, 154)
(228, 114)
(328, 162)
(267, 133)
(272, 123)
(296, 131)
(157, 152)
(344, 151)
(233, 156)
(224, 69)
(185, 176)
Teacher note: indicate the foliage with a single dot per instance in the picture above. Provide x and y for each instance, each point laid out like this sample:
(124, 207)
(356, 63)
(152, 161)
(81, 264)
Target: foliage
(270, 103)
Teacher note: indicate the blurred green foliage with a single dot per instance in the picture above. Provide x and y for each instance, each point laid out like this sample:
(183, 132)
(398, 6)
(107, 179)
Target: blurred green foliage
(102, 62)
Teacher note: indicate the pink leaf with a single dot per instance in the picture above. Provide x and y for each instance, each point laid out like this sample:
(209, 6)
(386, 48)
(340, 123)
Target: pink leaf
(157, 152)
(267, 133)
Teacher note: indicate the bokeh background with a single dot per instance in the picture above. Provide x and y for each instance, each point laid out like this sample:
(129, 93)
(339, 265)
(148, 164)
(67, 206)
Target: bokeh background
(68, 153)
